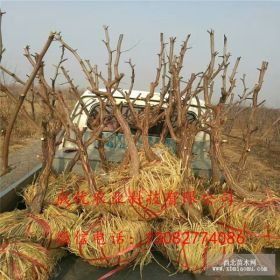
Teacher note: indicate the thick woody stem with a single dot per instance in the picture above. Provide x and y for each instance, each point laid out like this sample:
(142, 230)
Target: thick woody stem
(113, 84)
(50, 131)
(251, 128)
(82, 148)
(85, 161)
(146, 124)
(28, 84)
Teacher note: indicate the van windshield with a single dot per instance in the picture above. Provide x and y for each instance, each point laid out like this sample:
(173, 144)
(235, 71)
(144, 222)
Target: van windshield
(111, 124)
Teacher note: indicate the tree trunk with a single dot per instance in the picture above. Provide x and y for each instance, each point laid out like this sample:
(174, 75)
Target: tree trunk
(133, 152)
(48, 146)
(85, 161)
(185, 149)
(163, 134)
(28, 84)
(214, 161)
(101, 150)
(150, 155)
(71, 163)
(239, 190)
(126, 157)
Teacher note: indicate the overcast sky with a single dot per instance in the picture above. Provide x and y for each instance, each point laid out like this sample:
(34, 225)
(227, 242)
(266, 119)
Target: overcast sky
(252, 29)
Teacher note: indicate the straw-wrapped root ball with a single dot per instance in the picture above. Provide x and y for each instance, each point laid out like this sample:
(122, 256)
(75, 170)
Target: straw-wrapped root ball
(27, 260)
(107, 240)
(193, 246)
(259, 221)
(46, 228)
(146, 196)
(62, 192)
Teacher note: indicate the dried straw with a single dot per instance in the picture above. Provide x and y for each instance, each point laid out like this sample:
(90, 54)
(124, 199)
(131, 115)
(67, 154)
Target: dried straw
(61, 192)
(199, 254)
(154, 185)
(107, 240)
(25, 260)
(259, 221)
(44, 228)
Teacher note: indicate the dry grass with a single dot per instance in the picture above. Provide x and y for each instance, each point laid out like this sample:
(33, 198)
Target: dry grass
(62, 192)
(96, 239)
(187, 254)
(160, 179)
(44, 228)
(259, 221)
(26, 260)
(263, 165)
(23, 129)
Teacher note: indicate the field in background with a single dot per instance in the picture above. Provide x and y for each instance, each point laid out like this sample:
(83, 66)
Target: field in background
(264, 160)
(24, 131)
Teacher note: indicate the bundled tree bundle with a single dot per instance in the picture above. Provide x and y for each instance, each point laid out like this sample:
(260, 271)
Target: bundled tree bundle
(107, 240)
(46, 228)
(192, 246)
(61, 192)
(258, 221)
(147, 196)
(25, 260)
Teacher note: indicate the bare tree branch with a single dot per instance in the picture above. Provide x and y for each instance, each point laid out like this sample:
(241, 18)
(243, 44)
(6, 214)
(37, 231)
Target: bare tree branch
(28, 84)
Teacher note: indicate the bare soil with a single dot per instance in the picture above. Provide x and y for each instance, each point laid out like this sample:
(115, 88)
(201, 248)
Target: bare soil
(263, 165)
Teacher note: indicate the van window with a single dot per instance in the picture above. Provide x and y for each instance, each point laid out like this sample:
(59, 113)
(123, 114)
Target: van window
(112, 124)
(110, 120)
(191, 116)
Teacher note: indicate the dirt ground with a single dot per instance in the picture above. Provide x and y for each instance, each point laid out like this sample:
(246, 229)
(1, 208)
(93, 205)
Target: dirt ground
(263, 164)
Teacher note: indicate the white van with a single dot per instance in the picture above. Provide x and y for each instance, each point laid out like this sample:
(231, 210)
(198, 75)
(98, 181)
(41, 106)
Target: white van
(116, 146)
